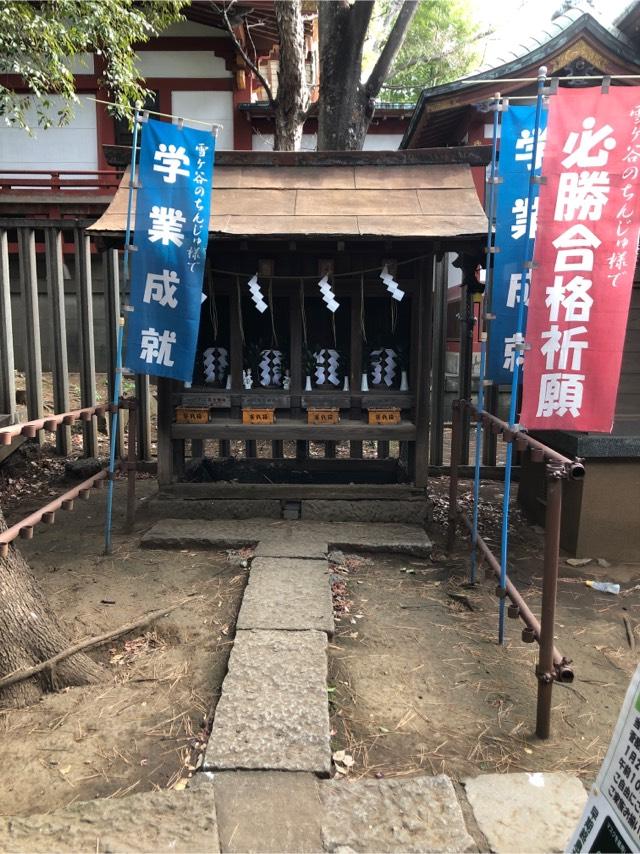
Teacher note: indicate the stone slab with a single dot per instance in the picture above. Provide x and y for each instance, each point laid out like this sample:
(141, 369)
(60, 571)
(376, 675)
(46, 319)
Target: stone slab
(526, 812)
(268, 811)
(292, 595)
(218, 508)
(164, 821)
(282, 538)
(389, 510)
(273, 713)
(418, 814)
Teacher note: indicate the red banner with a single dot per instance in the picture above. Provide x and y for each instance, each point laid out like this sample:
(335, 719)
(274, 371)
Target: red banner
(585, 258)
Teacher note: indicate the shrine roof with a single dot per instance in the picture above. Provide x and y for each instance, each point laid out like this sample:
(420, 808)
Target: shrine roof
(338, 194)
(575, 42)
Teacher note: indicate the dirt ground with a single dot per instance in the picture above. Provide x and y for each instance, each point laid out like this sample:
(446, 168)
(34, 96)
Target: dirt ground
(419, 684)
(144, 726)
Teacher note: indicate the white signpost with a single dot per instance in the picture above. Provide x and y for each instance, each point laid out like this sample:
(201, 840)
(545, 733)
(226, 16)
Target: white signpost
(611, 819)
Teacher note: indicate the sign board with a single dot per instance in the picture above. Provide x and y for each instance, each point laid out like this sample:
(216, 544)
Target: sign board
(384, 416)
(192, 415)
(386, 401)
(267, 401)
(315, 415)
(584, 260)
(171, 232)
(258, 416)
(611, 818)
(326, 401)
(210, 401)
(516, 155)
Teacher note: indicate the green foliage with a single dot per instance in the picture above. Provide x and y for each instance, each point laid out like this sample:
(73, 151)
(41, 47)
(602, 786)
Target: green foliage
(37, 40)
(440, 46)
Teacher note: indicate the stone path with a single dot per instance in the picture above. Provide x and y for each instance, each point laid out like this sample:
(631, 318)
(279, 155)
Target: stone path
(264, 785)
(288, 811)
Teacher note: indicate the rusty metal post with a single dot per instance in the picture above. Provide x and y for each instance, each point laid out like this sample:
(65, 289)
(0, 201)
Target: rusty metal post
(131, 463)
(545, 670)
(456, 417)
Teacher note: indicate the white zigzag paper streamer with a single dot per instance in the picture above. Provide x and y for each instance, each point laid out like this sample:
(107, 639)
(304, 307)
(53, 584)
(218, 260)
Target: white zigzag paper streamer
(256, 294)
(327, 294)
(215, 363)
(392, 286)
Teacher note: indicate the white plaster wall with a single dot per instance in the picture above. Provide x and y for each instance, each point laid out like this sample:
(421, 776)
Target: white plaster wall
(71, 147)
(373, 142)
(382, 141)
(181, 63)
(264, 142)
(214, 107)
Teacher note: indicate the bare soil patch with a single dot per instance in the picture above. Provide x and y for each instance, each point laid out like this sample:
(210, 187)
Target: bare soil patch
(419, 684)
(145, 726)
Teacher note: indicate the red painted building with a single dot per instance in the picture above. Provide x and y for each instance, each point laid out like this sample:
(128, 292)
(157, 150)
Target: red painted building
(195, 71)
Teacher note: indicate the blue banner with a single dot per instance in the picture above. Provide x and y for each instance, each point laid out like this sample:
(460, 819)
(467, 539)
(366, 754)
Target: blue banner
(516, 154)
(167, 266)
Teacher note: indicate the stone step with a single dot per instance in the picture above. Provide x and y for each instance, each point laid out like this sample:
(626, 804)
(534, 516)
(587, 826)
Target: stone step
(526, 812)
(287, 594)
(164, 821)
(420, 814)
(273, 713)
(277, 538)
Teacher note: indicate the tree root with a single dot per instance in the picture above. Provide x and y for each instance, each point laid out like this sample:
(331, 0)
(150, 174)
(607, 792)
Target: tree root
(88, 643)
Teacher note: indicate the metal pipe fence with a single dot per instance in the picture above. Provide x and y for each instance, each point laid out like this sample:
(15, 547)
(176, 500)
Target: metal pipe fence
(552, 665)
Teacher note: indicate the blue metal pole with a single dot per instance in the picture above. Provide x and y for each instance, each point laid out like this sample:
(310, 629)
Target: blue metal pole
(118, 372)
(491, 206)
(519, 351)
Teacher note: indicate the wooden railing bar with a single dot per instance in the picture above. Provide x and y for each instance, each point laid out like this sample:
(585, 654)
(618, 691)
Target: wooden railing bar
(111, 278)
(7, 366)
(55, 287)
(33, 354)
(87, 346)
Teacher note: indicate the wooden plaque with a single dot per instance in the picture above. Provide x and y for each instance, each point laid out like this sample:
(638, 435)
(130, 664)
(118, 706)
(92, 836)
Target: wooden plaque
(192, 415)
(258, 415)
(266, 401)
(401, 400)
(326, 401)
(384, 416)
(209, 401)
(327, 415)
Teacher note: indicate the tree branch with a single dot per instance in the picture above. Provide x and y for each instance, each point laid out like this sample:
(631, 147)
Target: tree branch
(252, 65)
(391, 48)
(425, 59)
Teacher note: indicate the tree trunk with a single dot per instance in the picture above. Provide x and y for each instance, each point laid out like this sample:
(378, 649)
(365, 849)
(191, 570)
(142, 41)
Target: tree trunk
(347, 105)
(30, 633)
(292, 99)
(344, 109)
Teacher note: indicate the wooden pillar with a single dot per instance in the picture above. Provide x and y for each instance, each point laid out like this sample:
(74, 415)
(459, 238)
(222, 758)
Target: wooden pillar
(490, 439)
(466, 366)
(438, 367)
(87, 356)
(165, 418)
(7, 367)
(423, 370)
(111, 279)
(295, 360)
(235, 341)
(355, 373)
(33, 354)
(143, 396)
(55, 287)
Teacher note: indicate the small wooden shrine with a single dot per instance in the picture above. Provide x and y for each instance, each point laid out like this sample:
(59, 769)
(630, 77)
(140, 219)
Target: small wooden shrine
(278, 363)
